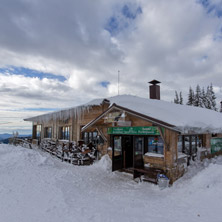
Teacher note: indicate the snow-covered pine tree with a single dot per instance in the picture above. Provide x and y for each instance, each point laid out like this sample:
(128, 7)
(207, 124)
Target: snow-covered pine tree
(213, 98)
(197, 97)
(190, 97)
(181, 99)
(208, 99)
(203, 98)
(176, 100)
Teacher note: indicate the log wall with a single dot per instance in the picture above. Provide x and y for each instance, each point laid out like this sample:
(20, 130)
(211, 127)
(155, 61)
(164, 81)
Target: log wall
(75, 124)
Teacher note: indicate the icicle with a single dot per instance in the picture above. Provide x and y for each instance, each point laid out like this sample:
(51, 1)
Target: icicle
(77, 113)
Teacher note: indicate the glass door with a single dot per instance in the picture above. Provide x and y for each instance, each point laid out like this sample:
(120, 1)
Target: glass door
(127, 145)
(138, 152)
(117, 153)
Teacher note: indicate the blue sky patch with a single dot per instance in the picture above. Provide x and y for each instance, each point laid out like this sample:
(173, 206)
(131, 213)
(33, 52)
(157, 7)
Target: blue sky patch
(218, 35)
(40, 109)
(203, 58)
(131, 13)
(205, 3)
(104, 84)
(211, 7)
(122, 18)
(113, 25)
(30, 73)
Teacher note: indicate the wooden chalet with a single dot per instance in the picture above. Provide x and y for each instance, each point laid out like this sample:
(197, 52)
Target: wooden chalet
(142, 136)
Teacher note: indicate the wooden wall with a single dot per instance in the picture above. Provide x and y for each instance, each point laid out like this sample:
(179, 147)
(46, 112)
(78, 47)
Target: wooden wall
(75, 124)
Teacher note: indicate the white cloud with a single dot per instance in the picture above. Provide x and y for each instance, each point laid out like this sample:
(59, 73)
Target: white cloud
(172, 41)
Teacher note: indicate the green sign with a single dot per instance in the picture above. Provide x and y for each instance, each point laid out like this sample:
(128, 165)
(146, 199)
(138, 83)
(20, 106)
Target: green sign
(138, 130)
(216, 145)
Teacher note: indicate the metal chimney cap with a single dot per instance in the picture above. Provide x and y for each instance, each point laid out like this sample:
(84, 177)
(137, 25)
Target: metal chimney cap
(154, 82)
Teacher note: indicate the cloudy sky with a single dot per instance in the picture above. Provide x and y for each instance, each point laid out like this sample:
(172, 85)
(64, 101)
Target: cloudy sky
(56, 54)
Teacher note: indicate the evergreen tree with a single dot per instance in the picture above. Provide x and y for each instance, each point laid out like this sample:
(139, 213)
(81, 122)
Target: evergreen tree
(207, 99)
(181, 99)
(203, 98)
(190, 97)
(212, 98)
(176, 100)
(197, 97)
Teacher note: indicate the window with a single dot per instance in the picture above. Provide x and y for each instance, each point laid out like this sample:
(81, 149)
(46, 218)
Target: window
(139, 146)
(94, 137)
(48, 132)
(186, 148)
(64, 132)
(193, 144)
(86, 138)
(180, 144)
(200, 141)
(155, 144)
(38, 131)
(117, 145)
(90, 137)
(100, 140)
(190, 144)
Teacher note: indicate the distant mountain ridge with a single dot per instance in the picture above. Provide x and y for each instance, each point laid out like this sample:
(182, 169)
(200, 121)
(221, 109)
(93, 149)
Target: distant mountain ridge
(5, 136)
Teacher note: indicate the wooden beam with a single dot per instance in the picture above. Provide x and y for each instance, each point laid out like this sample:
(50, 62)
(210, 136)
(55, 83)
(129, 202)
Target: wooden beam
(163, 138)
(101, 134)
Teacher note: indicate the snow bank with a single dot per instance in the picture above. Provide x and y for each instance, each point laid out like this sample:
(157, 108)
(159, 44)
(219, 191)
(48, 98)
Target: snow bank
(105, 163)
(36, 187)
(24, 155)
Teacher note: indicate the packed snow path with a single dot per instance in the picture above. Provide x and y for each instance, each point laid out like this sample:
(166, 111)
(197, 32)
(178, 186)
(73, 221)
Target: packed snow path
(35, 186)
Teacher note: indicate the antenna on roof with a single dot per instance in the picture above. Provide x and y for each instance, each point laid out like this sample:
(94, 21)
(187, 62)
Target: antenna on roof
(118, 81)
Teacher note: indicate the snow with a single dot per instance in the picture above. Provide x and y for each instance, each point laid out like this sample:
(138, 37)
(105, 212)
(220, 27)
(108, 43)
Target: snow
(184, 118)
(154, 155)
(181, 155)
(35, 186)
(105, 163)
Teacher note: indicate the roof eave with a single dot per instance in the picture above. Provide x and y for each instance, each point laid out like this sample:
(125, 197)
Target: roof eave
(142, 116)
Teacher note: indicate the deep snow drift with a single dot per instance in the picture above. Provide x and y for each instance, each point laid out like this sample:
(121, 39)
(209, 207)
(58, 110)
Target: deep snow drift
(35, 186)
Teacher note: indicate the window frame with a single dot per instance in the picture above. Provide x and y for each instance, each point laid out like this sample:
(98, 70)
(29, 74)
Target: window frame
(47, 134)
(90, 137)
(157, 146)
(190, 143)
(64, 132)
(38, 131)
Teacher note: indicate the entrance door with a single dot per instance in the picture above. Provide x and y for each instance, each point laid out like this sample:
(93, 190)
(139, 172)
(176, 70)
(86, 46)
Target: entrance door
(127, 151)
(117, 153)
(138, 152)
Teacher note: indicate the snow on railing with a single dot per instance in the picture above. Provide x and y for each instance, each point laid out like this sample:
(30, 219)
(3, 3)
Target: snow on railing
(69, 151)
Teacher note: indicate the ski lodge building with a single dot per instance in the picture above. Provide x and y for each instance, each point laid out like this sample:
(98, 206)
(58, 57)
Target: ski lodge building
(139, 134)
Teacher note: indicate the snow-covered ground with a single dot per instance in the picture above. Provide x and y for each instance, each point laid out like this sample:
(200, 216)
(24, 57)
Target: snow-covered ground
(35, 186)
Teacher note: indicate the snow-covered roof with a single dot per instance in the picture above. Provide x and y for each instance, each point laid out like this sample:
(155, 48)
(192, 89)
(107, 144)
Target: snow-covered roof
(184, 118)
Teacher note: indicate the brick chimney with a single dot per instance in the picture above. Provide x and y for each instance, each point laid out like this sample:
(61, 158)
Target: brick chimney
(154, 89)
(105, 104)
